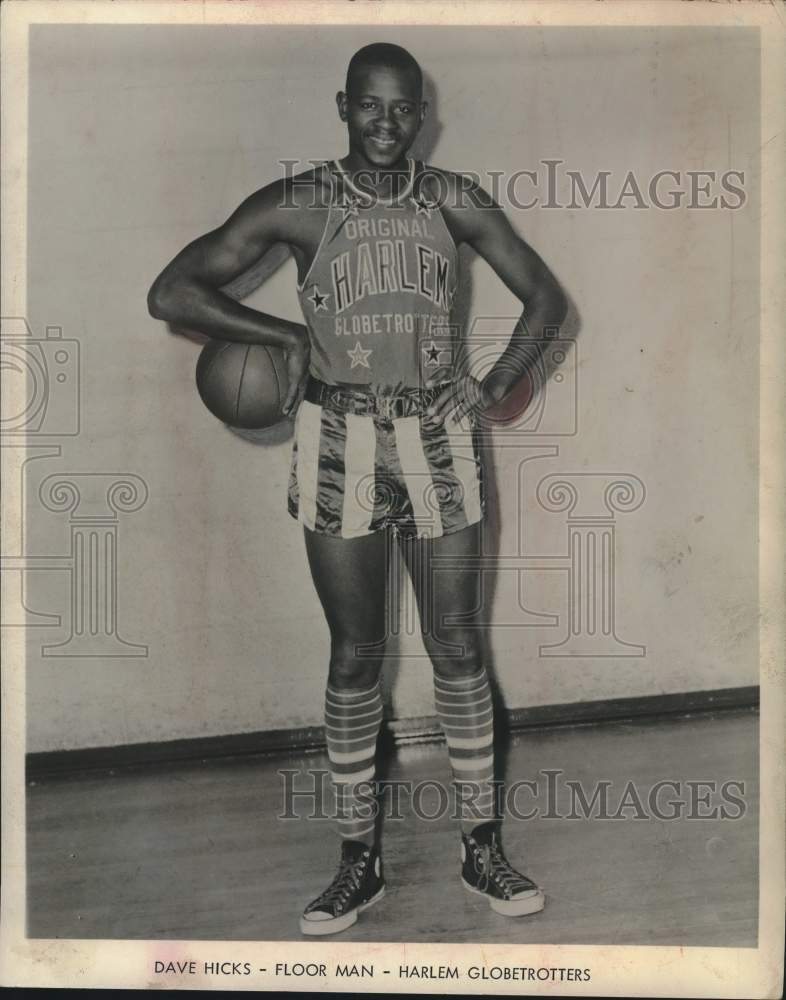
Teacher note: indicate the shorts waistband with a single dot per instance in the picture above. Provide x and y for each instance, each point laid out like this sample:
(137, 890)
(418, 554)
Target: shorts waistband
(372, 401)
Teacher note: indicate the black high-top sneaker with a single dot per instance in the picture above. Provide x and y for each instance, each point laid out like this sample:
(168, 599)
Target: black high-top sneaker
(487, 872)
(358, 884)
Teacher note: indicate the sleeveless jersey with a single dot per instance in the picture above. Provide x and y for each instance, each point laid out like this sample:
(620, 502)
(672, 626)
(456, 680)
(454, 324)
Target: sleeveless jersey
(378, 294)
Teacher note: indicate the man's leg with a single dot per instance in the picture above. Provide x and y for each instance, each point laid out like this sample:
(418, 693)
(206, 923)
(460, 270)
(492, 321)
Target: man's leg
(350, 579)
(461, 686)
(464, 707)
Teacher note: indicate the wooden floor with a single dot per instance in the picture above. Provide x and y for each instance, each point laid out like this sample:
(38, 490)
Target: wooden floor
(196, 852)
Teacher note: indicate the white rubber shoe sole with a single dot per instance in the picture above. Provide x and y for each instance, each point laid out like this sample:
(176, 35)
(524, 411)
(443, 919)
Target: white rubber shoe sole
(334, 925)
(523, 906)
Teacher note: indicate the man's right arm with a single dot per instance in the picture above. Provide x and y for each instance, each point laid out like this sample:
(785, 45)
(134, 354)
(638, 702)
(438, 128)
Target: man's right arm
(188, 291)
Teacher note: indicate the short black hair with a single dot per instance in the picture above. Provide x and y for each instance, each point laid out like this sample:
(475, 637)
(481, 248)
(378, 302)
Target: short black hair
(387, 55)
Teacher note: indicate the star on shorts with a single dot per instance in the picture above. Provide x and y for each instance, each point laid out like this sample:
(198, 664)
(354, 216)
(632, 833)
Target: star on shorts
(319, 299)
(359, 356)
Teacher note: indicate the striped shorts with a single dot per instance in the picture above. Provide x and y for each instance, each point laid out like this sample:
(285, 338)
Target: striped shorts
(352, 475)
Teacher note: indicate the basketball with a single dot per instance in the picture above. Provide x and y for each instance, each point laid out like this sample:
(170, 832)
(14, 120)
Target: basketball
(515, 404)
(244, 385)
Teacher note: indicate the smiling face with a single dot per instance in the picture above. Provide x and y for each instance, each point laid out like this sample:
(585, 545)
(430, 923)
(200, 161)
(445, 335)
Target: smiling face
(383, 111)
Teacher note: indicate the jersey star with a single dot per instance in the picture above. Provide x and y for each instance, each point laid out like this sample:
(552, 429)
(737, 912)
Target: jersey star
(423, 207)
(359, 356)
(319, 299)
(349, 207)
(431, 353)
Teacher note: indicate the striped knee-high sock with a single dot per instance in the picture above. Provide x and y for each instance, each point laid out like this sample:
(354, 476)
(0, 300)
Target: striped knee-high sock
(352, 721)
(466, 714)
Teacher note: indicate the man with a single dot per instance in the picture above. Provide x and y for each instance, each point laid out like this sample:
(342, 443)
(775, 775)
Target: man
(379, 400)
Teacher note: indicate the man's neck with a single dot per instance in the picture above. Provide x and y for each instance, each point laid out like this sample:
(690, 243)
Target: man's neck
(386, 181)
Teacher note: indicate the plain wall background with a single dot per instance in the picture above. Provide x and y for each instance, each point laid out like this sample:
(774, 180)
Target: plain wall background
(142, 138)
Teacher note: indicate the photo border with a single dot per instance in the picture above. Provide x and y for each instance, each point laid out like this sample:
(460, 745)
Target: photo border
(616, 971)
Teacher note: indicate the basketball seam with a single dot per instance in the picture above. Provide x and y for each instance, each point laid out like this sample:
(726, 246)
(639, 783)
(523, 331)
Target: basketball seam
(215, 358)
(275, 372)
(240, 383)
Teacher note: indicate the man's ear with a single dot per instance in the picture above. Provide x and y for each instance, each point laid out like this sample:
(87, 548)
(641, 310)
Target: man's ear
(423, 111)
(341, 104)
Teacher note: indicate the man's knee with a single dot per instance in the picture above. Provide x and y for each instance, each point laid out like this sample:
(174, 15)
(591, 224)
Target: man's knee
(455, 654)
(354, 664)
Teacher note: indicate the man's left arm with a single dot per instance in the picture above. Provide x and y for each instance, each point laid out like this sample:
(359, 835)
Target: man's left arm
(486, 228)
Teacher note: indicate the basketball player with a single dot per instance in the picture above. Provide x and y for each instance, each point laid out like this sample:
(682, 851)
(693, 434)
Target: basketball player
(381, 444)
